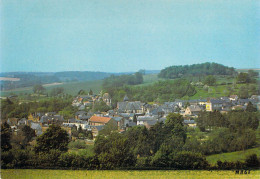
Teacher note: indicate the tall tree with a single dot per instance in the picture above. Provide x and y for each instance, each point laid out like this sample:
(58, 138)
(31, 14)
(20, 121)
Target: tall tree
(39, 89)
(53, 138)
(250, 107)
(5, 137)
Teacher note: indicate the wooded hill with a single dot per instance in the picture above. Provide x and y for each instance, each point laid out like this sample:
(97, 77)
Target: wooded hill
(196, 69)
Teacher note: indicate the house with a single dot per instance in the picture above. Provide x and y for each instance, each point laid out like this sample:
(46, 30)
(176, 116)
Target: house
(120, 122)
(35, 117)
(192, 110)
(107, 99)
(233, 97)
(22, 121)
(190, 123)
(95, 130)
(37, 128)
(129, 107)
(141, 120)
(214, 104)
(158, 112)
(12, 121)
(147, 108)
(81, 115)
(129, 118)
(98, 120)
(51, 119)
(179, 102)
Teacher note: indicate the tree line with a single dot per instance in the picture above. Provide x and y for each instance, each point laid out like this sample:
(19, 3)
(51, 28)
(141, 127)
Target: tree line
(196, 69)
(121, 80)
(160, 91)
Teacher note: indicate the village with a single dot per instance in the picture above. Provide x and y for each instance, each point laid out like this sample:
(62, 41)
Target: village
(127, 114)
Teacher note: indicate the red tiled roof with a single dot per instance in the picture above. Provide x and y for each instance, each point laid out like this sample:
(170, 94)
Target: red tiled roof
(99, 119)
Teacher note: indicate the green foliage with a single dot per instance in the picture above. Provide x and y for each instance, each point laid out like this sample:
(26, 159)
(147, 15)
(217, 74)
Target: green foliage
(57, 91)
(196, 69)
(160, 91)
(250, 107)
(5, 137)
(68, 112)
(109, 127)
(252, 161)
(22, 110)
(174, 126)
(77, 145)
(53, 138)
(82, 92)
(243, 92)
(100, 106)
(210, 80)
(39, 89)
(245, 78)
(28, 132)
(189, 160)
(113, 151)
(119, 81)
(209, 120)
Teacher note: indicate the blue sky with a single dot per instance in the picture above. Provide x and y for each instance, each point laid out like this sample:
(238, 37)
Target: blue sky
(121, 35)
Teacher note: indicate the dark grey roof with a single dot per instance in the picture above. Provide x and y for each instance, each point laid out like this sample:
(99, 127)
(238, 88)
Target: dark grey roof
(36, 126)
(216, 101)
(126, 98)
(124, 106)
(146, 118)
(194, 108)
(117, 118)
(127, 115)
(45, 119)
(71, 120)
(131, 124)
(99, 128)
(189, 122)
(80, 113)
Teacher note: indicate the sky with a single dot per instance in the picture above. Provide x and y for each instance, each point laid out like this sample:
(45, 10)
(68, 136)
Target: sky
(123, 36)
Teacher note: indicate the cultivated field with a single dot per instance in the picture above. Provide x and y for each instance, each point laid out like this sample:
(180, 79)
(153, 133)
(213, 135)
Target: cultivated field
(154, 174)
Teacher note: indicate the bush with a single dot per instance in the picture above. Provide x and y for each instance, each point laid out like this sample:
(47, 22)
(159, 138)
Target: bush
(252, 161)
(77, 145)
(189, 160)
(7, 159)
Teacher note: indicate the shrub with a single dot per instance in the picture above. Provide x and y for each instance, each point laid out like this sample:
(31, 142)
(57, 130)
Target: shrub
(77, 144)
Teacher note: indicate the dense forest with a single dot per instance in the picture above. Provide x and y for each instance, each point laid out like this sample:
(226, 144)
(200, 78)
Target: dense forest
(196, 69)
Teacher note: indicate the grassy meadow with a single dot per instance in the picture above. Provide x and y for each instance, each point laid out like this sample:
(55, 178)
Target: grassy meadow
(185, 174)
(233, 156)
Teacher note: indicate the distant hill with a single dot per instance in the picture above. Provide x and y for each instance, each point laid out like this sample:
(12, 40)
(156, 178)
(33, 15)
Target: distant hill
(81, 75)
(27, 79)
(196, 69)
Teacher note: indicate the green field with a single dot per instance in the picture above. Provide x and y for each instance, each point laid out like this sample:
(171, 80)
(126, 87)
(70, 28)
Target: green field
(189, 174)
(71, 88)
(233, 156)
